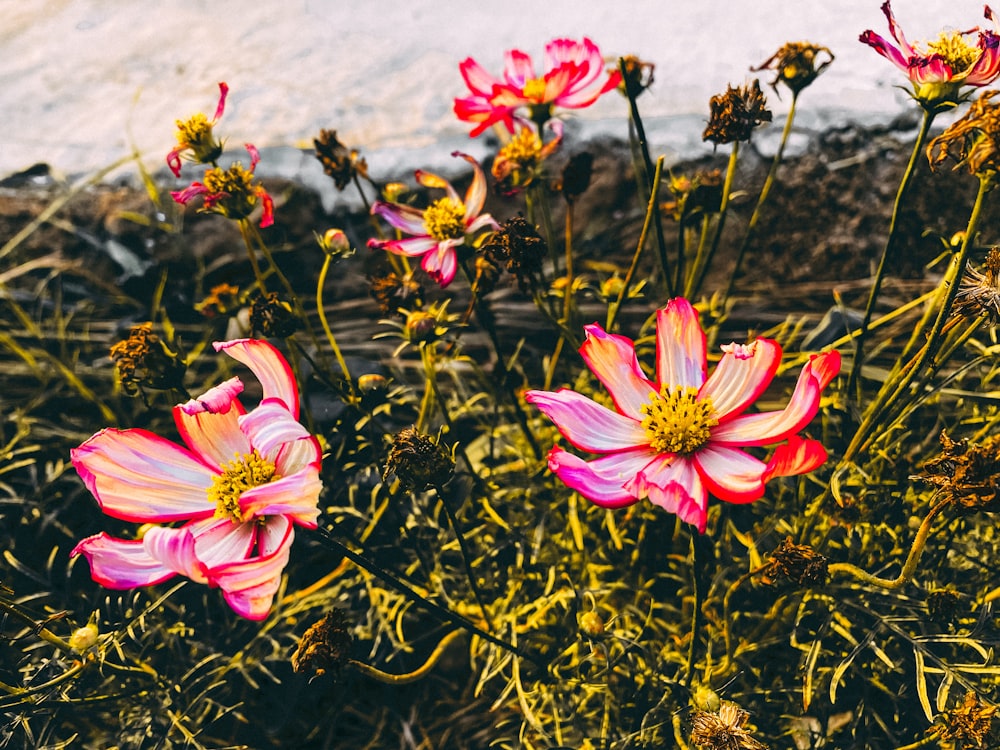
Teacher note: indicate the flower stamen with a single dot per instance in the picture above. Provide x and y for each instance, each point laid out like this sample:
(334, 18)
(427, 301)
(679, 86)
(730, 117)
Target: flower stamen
(445, 219)
(239, 475)
(957, 53)
(678, 421)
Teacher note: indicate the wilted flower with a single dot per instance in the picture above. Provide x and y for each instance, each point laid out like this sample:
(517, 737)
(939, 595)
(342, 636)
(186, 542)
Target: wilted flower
(520, 161)
(969, 725)
(325, 645)
(681, 436)
(392, 291)
(195, 136)
(966, 474)
(942, 605)
(725, 729)
(736, 113)
(576, 176)
(574, 78)
(339, 162)
(144, 361)
(638, 76)
(695, 196)
(979, 291)
(940, 69)
(271, 316)
(441, 227)
(798, 563)
(222, 299)
(796, 64)
(519, 248)
(418, 461)
(972, 140)
(231, 192)
(240, 483)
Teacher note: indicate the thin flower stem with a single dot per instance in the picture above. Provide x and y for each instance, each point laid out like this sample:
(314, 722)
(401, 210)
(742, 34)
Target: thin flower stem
(252, 254)
(909, 567)
(427, 402)
(703, 264)
(464, 550)
(399, 585)
(636, 120)
(640, 246)
(853, 381)
(567, 297)
(887, 398)
(764, 192)
(331, 339)
(37, 628)
(403, 679)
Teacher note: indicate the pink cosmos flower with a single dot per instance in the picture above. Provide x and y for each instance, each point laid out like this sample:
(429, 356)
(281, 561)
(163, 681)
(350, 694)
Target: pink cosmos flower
(240, 484)
(680, 437)
(194, 135)
(232, 192)
(441, 227)
(938, 71)
(574, 78)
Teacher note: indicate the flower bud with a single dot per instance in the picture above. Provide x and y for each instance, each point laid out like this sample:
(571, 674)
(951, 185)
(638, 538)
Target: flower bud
(85, 637)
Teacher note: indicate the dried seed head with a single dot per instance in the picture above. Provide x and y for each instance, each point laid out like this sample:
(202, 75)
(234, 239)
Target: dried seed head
(392, 291)
(638, 76)
(418, 461)
(576, 176)
(942, 605)
(736, 113)
(725, 729)
(966, 474)
(144, 361)
(326, 645)
(979, 291)
(222, 299)
(339, 162)
(271, 316)
(798, 563)
(797, 64)
(519, 248)
(973, 140)
(969, 725)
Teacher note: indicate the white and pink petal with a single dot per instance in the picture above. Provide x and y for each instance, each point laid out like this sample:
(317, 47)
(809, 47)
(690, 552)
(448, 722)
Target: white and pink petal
(121, 563)
(603, 480)
(269, 367)
(586, 424)
(680, 346)
(612, 359)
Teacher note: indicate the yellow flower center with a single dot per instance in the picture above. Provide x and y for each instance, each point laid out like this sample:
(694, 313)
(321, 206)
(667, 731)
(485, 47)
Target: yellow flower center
(445, 219)
(678, 421)
(235, 181)
(534, 89)
(194, 130)
(524, 148)
(239, 475)
(957, 53)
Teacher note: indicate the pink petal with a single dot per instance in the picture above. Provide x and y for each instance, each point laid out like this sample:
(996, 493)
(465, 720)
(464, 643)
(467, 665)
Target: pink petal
(296, 497)
(411, 247)
(215, 436)
(612, 359)
(588, 425)
(743, 373)
(442, 264)
(218, 541)
(730, 474)
(175, 549)
(772, 427)
(680, 346)
(189, 193)
(138, 476)
(267, 217)
(254, 155)
(475, 196)
(797, 456)
(249, 586)
(480, 222)
(518, 69)
(298, 455)
(896, 30)
(269, 366)
(223, 92)
(270, 426)
(174, 160)
(404, 218)
(120, 563)
(603, 480)
(217, 400)
(673, 483)
(476, 78)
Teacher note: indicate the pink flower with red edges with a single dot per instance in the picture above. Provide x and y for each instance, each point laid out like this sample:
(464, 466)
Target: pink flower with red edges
(574, 78)
(240, 483)
(232, 192)
(938, 70)
(194, 136)
(441, 227)
(680, 437)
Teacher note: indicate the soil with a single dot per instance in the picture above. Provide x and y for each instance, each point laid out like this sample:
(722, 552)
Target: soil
(822, 231)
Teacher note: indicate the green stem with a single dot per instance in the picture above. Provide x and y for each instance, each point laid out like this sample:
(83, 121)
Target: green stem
(702, 264)
(888, 396)
(463, 548)
(650, 210)
(644, 148)
(909, 567)
(853, 383)
(764, 192)
(327, 260)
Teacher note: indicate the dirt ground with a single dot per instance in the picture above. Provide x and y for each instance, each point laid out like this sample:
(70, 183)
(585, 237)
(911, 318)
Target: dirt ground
(822, 230)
